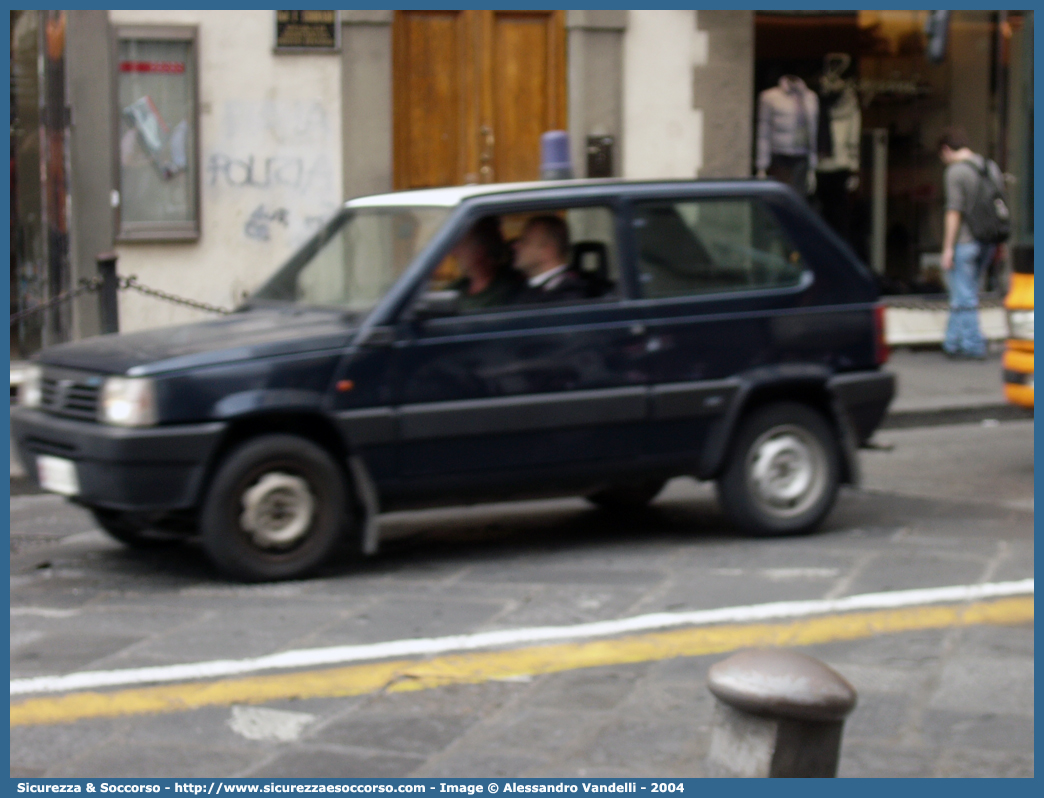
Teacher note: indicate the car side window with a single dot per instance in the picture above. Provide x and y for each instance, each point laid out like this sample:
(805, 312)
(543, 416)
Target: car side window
(708, 246)
(498, 262)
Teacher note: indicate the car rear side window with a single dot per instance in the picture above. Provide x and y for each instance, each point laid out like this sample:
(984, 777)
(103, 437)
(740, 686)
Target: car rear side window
(709, 246)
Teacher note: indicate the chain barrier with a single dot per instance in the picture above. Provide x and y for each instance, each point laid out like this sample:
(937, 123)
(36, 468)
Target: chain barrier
(92, 284)
(86, 287)
(133, 284)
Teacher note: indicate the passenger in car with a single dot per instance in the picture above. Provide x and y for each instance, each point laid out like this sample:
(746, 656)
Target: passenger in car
(542, 255)
(485, 259)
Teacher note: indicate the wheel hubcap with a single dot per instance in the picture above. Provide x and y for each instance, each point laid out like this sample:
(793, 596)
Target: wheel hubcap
(786, 471)
(277, 510)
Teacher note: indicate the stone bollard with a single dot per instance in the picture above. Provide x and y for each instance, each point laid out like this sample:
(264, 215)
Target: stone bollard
(779, 714)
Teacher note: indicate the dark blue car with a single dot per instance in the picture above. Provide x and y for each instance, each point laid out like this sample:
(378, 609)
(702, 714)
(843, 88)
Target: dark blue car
(713, 329)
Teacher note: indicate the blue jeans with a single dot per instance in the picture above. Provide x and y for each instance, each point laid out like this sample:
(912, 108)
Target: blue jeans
(963, 335)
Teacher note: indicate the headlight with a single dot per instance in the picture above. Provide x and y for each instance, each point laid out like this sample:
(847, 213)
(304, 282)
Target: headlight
(29, 391)
(128, 402)
(1020, 324)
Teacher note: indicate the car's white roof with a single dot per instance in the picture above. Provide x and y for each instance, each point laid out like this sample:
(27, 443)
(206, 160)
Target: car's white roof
(452, 196)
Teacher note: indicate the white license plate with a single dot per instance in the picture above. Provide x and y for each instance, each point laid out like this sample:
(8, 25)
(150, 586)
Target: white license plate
(57, 475)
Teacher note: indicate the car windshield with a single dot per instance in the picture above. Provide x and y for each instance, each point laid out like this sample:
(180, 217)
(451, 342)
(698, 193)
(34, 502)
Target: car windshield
(355, 258)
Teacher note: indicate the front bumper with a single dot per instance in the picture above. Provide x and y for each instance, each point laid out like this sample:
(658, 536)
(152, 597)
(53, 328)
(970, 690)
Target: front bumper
(149, 469)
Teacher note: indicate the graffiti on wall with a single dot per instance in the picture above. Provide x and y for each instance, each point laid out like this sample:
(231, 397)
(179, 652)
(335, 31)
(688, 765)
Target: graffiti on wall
(273, 172)
(257, 226)
(272, 160)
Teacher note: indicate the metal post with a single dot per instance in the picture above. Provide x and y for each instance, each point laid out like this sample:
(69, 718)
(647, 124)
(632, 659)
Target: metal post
(779, 714)
(879, 199)
(108, 308)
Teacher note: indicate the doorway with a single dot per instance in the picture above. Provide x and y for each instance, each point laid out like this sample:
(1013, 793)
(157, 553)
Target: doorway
(473, 92)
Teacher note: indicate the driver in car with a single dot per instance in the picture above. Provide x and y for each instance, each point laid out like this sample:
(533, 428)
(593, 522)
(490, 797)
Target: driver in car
(485, 260)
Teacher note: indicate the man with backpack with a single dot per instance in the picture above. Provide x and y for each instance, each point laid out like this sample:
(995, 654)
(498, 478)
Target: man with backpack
(975, 223)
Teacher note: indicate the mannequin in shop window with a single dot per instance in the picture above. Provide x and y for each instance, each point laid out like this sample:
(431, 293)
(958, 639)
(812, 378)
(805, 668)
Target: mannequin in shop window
(840, 127)
(788, 121)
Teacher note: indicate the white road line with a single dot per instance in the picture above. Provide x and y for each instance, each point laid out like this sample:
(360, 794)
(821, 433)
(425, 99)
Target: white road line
(304, 658)
(44, 612)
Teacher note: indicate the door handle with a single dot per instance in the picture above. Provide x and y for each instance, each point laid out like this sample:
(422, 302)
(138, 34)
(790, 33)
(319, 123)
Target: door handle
(486, 154)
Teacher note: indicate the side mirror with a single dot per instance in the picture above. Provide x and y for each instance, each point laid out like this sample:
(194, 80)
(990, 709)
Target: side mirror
(437, 304)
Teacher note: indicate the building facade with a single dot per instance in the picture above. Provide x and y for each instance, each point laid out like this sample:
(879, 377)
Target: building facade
(204, 146)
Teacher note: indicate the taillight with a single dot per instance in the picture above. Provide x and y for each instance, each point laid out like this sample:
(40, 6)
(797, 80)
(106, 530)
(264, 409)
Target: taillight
(880, 342)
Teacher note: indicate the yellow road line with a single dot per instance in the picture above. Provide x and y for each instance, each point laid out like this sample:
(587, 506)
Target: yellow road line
(476, 667)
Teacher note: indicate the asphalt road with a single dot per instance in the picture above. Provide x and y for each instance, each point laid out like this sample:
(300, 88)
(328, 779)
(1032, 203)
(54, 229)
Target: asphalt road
(947, 505)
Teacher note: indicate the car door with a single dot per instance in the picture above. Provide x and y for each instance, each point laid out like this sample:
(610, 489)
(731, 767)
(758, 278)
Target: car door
(522, 395)
(722, 290)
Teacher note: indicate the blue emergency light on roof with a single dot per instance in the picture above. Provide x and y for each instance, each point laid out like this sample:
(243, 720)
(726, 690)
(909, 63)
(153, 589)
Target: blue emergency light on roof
(554, 156)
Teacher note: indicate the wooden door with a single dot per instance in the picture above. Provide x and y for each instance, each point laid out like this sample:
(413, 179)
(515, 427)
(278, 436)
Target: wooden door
(474, 91)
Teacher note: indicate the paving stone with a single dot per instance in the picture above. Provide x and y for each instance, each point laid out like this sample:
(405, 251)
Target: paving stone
(555, 573)
(18, 772)
(733, 587)
(985, 732)
(412, 734)
(997, 641)
(330, 763)
(652, 698)
(918, 650)
(480, 762)
(128, 760)
(685, 671)
(473, 700)
(395, 619)
(926, 705)
(41, 747)
(966, 764)
(1018, 565)
(56, 654)
(573, 770)
(239, 631)
(872, 679)
(899, 571)
(649, 746)
(1002, 685)
(587, 689)
(880, 761)
(878, 716)
(539, 731)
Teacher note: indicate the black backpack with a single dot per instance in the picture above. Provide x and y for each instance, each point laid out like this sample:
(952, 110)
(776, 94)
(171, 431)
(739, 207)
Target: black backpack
(988, 219)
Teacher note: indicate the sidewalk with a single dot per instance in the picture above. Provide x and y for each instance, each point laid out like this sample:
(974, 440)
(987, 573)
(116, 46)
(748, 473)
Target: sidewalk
(933, 389)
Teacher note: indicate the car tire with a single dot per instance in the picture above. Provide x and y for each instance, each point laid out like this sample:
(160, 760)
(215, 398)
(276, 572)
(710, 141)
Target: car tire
(276, 509)
(783, 471)
(131, 531)
(632, 496)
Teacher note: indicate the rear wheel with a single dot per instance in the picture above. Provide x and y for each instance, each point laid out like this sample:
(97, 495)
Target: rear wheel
(630, 496)
(783, 472)
(276, 509)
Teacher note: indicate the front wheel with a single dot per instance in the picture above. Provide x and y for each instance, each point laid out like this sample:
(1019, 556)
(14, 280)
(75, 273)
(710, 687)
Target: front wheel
(783, 471)
(276, 509)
